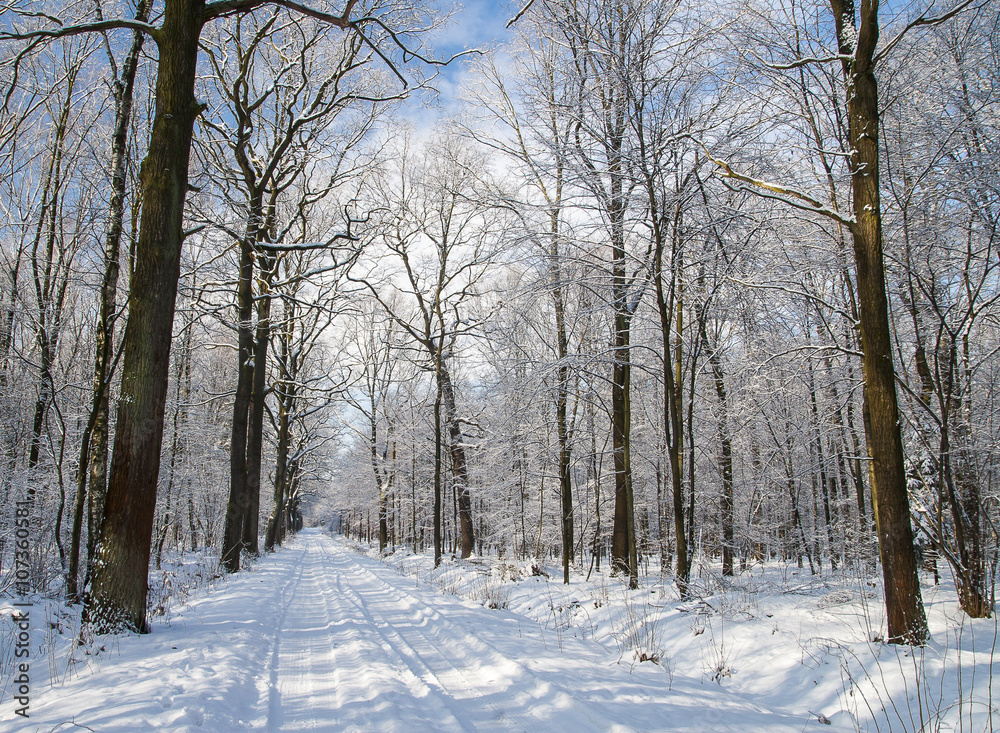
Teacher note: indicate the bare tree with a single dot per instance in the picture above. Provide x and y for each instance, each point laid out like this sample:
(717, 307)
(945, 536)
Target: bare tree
(307, 286)
(439, 236)
(537, 134)
(287, 88)
(947, 285)
(119, 584)
(94, 446)
(377, 340)
(857, 37)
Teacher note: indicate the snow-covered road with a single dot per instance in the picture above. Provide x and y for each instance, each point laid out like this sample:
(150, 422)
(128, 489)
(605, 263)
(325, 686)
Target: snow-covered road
(320, 638)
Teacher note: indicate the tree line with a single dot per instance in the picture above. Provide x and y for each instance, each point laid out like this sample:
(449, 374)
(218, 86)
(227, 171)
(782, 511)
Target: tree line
(692, 283)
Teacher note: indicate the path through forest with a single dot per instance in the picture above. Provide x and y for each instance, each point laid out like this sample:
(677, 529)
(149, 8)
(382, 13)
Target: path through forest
(317, 637)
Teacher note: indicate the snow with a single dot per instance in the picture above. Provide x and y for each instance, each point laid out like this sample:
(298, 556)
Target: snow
(806, 646)
(321, 637)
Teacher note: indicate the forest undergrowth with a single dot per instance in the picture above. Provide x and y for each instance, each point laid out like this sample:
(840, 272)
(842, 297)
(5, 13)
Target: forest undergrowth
(68, 647)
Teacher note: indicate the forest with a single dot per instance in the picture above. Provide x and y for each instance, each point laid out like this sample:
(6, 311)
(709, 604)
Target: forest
(651, 286)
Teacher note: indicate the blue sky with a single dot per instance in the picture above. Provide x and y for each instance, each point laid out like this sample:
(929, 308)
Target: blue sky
(474, 24)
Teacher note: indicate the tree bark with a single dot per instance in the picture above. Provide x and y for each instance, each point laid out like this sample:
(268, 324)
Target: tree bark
(726, 510)
(623, 546)
(907, 623)
(255, 437)
(383, 529)
(286, 396)
(624, 558)
(286, 391)
(562, 399)
(459, 466)
(118, 597)
(238, 504)
(672, 393)
(437, 470)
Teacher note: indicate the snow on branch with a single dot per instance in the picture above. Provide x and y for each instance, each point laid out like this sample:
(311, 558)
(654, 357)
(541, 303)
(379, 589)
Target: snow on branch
(76, 29)
(922, 19)
(798, 63)
(790, 196)
(520, 12)
(343, 21)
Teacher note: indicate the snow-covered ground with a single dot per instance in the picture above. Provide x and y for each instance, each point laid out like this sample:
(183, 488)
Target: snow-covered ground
(320, 636)
(808, 646)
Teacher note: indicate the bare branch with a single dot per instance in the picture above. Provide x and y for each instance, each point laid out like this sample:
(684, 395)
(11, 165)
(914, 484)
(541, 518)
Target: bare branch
(799, 63)
(78, 29)
(222, 8)
(39, 14)
(790, 196)
(521, 12)
(921, 20)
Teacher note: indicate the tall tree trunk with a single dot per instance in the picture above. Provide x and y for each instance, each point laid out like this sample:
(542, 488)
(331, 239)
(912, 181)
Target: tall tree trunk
(94, 455)
(255, 437)
(960, 488)
(689, 426)
(623, 547)
(459, 467)
(726, 509)
(565, 477)
(233, 538)
(383, 528)
(384, 500)
(286, 392)
(118, 597)
(907, 623)
(624, 557)
(672, 402)
(824, 485)
(562, 399)
(413, 496)
(286, 396)
(437, 469)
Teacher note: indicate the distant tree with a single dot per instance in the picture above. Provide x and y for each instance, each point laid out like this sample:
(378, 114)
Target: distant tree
(307, 286)
(288, 94)
(375, 337)
(439, 234)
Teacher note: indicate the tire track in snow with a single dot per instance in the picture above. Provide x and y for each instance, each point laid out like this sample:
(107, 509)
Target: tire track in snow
(425, 647)
(329, 672)
(274, 715)
(356, 651)
(419, 677)
(303, 690)
(434, 635)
